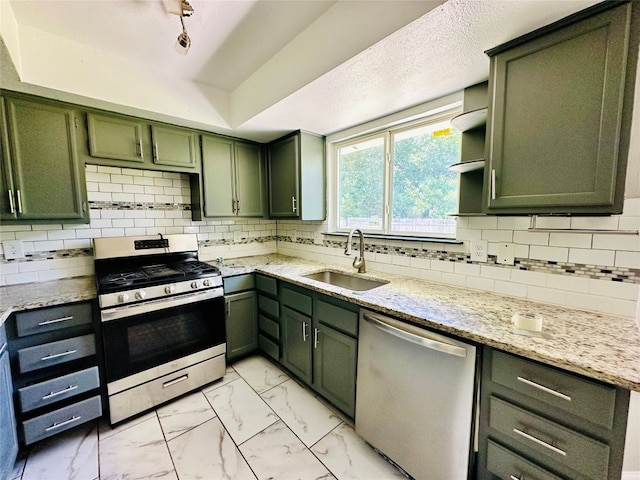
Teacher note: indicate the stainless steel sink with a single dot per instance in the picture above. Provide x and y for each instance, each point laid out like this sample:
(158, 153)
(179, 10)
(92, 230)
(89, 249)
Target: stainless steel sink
(345, 281)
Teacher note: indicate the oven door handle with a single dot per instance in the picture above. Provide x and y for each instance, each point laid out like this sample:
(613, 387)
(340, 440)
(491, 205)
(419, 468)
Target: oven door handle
(160, 304)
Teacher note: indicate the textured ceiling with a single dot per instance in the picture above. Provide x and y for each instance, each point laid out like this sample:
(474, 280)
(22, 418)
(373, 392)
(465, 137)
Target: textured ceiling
(258, 69)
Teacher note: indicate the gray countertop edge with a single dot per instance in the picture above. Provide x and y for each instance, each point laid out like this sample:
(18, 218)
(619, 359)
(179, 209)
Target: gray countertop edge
(599, 346)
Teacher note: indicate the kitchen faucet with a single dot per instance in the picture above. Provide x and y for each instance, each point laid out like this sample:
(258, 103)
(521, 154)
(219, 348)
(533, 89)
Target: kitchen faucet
(358, 262)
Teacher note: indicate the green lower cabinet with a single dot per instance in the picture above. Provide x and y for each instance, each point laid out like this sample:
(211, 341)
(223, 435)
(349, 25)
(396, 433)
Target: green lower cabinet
(297, 343)
(241, 324)
(334, 367)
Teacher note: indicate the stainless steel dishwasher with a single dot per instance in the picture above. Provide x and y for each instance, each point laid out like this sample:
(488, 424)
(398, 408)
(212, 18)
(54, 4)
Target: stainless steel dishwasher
(415, 397)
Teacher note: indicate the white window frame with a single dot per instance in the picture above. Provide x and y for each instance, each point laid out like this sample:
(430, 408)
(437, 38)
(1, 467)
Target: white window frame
(387, 134)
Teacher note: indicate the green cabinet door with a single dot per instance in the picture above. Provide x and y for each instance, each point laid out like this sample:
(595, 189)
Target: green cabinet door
(296, 343)
(249, 180)
(173, 146)
(284, 185)
(558, 100)
(115, 137)
(241, 322)
(334, 367)
(7, 191)
(217, 176)
(47, 176)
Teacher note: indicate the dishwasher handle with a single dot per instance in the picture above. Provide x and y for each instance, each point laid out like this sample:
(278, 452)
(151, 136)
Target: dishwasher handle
(422, 338)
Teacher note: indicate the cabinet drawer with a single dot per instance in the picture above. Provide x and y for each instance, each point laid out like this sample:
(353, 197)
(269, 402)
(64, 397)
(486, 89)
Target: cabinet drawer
(506, 464)
(54, 353)
(587, 399)
(297, 301)
(268, 305)
(239, 283)
(268, 326)
(62, 419)
(544, 439)
(267, 284)
(53, 318)
(51, 391)
(338, 318)
(270, 348)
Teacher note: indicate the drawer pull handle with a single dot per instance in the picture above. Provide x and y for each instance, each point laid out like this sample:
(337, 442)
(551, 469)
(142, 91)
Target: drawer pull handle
(513, 477)
(540, 442)
(555, 393)
(57, 355)
(75, 418)
(3, 348)
(57, 320)
(70, 388)
(175, 380)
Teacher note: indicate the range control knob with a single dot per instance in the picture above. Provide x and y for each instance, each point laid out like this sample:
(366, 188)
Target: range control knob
(169, 289)
(140, 294)
(123, 297)
(194, 285)
(206, 283)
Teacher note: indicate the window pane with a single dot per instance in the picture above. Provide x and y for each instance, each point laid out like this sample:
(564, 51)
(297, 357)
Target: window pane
(425, 191)
(361, 185)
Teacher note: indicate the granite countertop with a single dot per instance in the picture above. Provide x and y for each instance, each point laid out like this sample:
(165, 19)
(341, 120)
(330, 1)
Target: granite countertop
(600, 346)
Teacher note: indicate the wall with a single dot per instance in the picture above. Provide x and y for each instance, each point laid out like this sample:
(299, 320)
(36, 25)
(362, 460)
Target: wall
(125, 201)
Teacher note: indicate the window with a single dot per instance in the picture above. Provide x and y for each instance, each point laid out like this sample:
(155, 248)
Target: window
(397, 182)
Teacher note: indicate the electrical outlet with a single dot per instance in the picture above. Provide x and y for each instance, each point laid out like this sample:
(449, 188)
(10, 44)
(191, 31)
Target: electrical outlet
(318, 238)
(506, 253)
(13, 249)
(478, 251)
(237, 236)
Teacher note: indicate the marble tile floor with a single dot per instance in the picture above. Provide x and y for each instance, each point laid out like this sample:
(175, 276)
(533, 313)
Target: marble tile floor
(255, 423)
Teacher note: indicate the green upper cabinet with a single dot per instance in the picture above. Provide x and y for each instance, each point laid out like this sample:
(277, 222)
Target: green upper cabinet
(41, 175)
(296, 172)
(130, 142)
(560, 113)
(115, 137)
(173, 146)
(232, 178)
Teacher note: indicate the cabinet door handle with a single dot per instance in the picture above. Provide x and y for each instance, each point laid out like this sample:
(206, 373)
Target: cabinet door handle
(304, 331)
(57, 320)
(3, 348)
(237, 206)
(58, 355)
(19, 201)
(493, 184)
(228, 308)
(316, 333)
(551, 391)
(75, 418)
(540, 442)
(294, 204)
(70, 388)
(175, 380)
(12, 206)
(139, 150)
(513, 477)
(155, 152)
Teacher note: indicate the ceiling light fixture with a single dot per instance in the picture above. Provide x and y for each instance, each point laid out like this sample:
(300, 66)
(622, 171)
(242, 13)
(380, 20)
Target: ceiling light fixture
(184, 42)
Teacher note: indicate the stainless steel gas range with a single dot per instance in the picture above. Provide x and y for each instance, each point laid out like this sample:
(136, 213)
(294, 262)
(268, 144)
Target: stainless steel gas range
(162, 320)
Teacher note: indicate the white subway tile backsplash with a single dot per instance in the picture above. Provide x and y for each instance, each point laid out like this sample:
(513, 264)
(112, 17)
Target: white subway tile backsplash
(553, 222)
(454, 279)
(133, 188)
(482, 223)
(555, 254)
(529, 278)
(496, 273)
(466, 269)
(61, 234)
(123, 223)
(595, 223)
(531, 238)
(105, 169)
(89, 233)
(112, 232)
(591, 256)
(442, 265)
(143, 198)
(497, 235)
(152, 174)
(481, 283)
(130, 232)
(154, 190)
(627, 291)
(577, 240)
(617, 242)
(77, 243)
(163, 182)
(627, 259)
(110, 187)
(144, 222)
(48, 245)
(97, 177)
(570, 283)
(513, 223)
(510, 288)
(143, 181)
(25, 267)
(547, 295)
(112, 214)
(99, 197)
(20, 278)
(123, 197)
(629, 223)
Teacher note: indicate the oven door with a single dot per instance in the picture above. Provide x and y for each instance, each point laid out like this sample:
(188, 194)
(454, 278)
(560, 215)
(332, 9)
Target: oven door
(140, 337)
